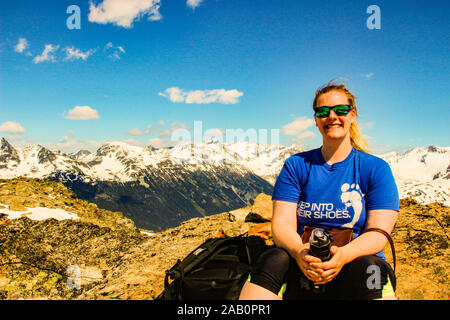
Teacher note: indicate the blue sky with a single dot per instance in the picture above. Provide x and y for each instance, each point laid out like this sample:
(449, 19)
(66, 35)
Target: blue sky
(139, 74)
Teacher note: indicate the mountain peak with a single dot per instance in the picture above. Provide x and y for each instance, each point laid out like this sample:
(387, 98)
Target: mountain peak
(118, 146)
(150, 148)
(80, 154)
(4, 142)
(213, 140)
(8, 153)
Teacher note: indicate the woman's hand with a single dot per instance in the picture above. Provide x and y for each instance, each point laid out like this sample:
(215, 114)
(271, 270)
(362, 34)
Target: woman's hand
(305, 263)
(328, 270)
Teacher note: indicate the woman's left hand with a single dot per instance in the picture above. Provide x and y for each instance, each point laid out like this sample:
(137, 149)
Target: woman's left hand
(331, 267)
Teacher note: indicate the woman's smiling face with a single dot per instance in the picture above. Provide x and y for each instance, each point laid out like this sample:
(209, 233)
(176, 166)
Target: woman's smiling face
(334, 126)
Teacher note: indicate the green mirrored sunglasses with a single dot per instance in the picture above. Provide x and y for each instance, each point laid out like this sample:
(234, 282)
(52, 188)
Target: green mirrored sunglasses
(340, 110)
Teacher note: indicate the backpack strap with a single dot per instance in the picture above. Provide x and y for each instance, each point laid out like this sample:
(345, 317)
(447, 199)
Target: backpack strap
(388, 236)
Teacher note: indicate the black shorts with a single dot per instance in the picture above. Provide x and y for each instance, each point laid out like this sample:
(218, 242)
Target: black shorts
(365, 278)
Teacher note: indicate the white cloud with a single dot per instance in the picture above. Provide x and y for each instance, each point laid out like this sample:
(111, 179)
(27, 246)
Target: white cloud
(82, 113)
(178, 125)
(71, 144)
(366, 125)
(160, 143)
(165, 133)
(175, 94)
(193, 3)
(114, 56)
(302, 137)
(140, 132)
(115, 51)
(73, 53)
(369, 75)
(298, 129)
(66, 142)
(155, 142)
(133, 142)
(123, 13)
(21, 45)
(162, 133)
(46, 54)
(298, 125)
(12, 127)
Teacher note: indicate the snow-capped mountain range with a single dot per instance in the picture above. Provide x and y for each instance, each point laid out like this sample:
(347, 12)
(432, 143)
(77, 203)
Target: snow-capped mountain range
(421, 173)
(121, 162)
(156, 188)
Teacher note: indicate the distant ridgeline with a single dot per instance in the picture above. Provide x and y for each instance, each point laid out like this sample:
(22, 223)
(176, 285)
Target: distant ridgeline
(156, 188)
(170, 195)
(160, 188)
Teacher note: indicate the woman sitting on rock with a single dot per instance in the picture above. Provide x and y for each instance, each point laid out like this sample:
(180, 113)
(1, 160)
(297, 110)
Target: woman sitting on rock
(339, 186)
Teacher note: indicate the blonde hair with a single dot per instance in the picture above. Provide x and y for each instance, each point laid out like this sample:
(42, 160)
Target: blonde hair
(356, 138)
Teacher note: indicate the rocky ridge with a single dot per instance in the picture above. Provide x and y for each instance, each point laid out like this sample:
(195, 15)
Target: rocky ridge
(38, 257)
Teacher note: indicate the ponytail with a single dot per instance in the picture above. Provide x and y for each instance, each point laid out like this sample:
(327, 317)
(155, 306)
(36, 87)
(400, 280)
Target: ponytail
(357, 139)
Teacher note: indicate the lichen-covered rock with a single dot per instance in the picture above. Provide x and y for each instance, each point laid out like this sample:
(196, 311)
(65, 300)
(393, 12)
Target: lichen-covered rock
(31, 249)
(103, 256)
(422, 249)
(21, 193)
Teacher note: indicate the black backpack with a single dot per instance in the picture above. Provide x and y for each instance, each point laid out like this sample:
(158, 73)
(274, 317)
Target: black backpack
(215, 270)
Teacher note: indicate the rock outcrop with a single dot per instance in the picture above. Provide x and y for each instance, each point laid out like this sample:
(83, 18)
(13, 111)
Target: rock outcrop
(422, 248)
(99, 258)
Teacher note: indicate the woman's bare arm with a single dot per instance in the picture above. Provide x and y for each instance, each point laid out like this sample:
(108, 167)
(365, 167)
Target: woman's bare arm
(284, 227)
(372, 242)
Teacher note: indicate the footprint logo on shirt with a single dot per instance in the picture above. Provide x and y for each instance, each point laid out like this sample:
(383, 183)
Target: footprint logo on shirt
(351, 196)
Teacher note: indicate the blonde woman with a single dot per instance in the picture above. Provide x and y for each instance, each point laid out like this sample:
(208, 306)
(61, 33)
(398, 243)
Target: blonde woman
(339, 186)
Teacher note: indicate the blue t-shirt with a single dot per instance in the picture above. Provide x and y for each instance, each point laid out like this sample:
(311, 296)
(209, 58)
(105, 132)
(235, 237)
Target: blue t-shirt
(338, 195)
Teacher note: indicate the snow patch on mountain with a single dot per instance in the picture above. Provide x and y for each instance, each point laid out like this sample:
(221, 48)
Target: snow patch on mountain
(38, 213)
